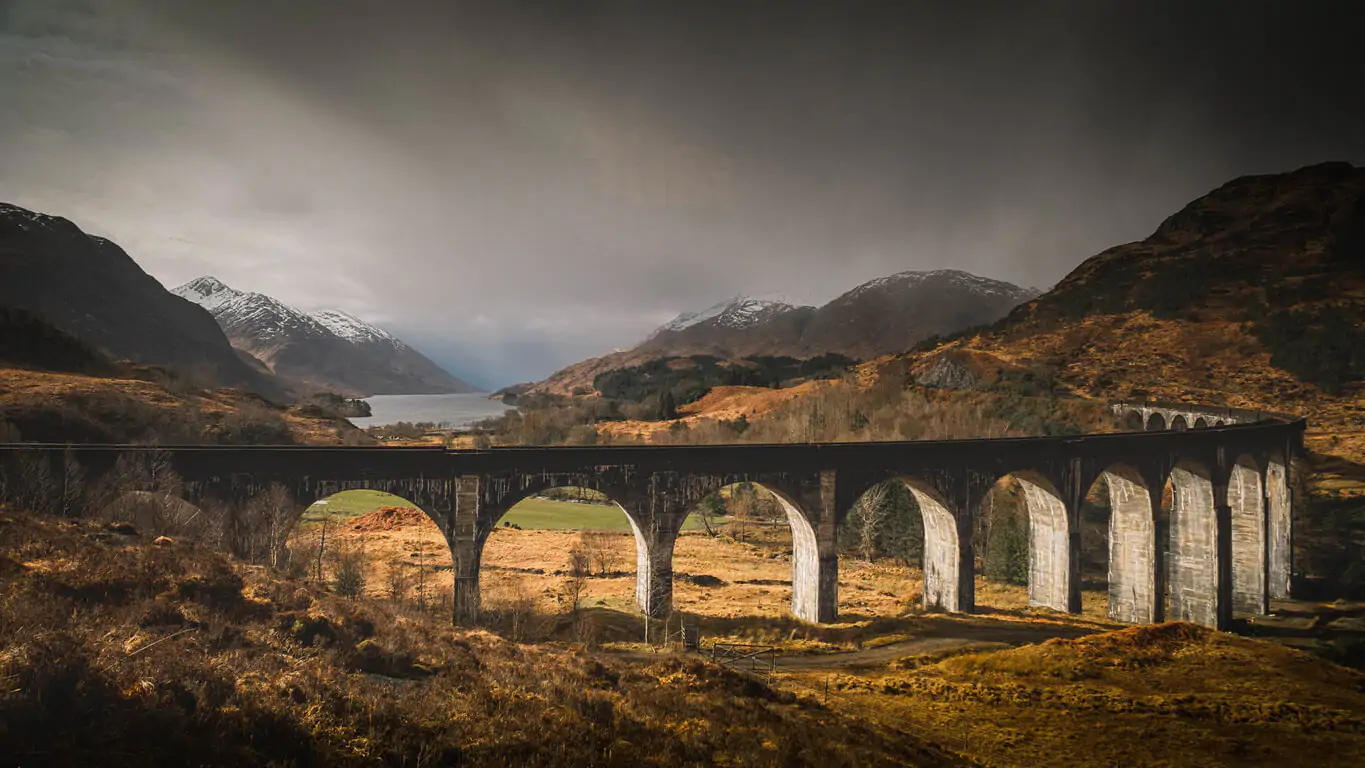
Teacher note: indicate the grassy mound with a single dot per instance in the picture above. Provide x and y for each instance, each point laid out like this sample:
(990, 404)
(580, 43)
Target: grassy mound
(1166, 694)
(117, 650)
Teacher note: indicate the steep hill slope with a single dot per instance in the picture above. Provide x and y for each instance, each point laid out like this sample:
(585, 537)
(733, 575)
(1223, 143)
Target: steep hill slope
(328, 350)
(92, 289)
(885, 315)
(1253, 296)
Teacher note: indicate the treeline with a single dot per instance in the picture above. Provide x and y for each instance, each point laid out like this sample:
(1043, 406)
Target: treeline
(332, 405)
(682, 380)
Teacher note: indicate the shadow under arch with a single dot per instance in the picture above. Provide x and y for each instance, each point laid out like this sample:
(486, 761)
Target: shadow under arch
(1201, 423)
(1132, 422)
(1246, 503)
(1192, 556)
(1156, 423)
(1178, 423)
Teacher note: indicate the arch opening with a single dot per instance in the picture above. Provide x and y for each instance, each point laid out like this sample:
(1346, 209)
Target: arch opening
(755, 529)
(939, 551)
(361, 543)
(1132, 422)
(1027, 539)
(1201, 423)
(1156, 423)
(1246, 502)
(1178, 423)
(1192, 559)
(560, 561)
(1119, 541)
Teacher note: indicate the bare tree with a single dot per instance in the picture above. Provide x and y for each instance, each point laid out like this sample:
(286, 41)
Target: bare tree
(871, 511)
(399, 582)
(270, 516)
(708, 510)
(603, 549)
(580, 567)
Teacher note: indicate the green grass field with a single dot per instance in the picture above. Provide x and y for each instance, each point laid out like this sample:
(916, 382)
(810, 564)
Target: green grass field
(532, 513)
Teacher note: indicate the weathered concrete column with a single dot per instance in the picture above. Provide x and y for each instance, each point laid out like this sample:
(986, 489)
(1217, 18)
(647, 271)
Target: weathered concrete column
(1279, 530)
(1199, 573)
(654, 572)
(949, 563)
(466, 549)
(815, 554)
(1053, 563)
(1133, 548)
(1246, 499)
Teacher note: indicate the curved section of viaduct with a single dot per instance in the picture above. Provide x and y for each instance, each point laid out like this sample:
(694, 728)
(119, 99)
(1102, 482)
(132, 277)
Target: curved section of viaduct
(1224, 547)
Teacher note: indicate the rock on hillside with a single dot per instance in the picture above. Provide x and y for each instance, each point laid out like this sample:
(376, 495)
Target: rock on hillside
(90, 288)
(327, 350)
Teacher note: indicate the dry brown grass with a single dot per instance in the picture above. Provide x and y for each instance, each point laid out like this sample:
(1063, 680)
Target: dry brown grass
(93, 408)
(117, 651)
(1165, 695)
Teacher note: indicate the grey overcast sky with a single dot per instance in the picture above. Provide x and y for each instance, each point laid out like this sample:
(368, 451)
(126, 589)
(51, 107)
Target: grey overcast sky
(513, 186)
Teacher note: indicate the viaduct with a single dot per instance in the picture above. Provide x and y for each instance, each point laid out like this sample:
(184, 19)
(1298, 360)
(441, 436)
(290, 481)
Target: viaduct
(1200, 526)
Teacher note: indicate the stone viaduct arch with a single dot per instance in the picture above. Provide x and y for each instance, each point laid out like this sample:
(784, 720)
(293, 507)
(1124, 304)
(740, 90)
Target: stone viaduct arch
(1225, 545)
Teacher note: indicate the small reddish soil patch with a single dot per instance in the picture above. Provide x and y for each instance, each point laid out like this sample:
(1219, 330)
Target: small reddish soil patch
(389, 519)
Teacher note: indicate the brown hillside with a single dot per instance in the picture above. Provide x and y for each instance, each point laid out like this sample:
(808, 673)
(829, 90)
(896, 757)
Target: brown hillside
(143, 404)
(169, 654)
(1251, 296)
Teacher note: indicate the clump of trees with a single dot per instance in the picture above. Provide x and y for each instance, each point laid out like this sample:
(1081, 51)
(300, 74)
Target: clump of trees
(675, 381)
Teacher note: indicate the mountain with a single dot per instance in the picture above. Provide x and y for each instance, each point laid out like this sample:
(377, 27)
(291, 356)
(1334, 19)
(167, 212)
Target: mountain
(90, 288)
(889, 314)
(892, 314)
(328, 350)
(1251, 296)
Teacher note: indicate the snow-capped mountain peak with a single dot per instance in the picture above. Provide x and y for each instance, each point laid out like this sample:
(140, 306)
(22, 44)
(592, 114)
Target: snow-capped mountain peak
(263, 317)
(327, 350)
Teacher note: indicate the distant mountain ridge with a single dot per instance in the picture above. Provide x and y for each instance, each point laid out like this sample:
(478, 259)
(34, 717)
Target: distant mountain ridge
(92, 289)
(882, 316)
(326, 350)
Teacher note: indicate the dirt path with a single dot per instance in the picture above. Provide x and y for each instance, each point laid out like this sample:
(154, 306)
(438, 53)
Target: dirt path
(968, 637)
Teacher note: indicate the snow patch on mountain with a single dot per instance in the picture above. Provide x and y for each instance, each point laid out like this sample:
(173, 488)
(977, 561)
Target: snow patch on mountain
(736, 312)
(353, 329)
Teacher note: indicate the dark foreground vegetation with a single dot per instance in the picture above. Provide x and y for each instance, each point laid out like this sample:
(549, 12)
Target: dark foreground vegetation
(117, 649)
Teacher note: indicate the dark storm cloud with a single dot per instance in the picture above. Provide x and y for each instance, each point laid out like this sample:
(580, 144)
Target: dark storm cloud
(514, 186)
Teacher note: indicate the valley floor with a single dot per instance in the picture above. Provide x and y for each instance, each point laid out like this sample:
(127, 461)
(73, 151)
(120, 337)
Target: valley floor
(1010, 685)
